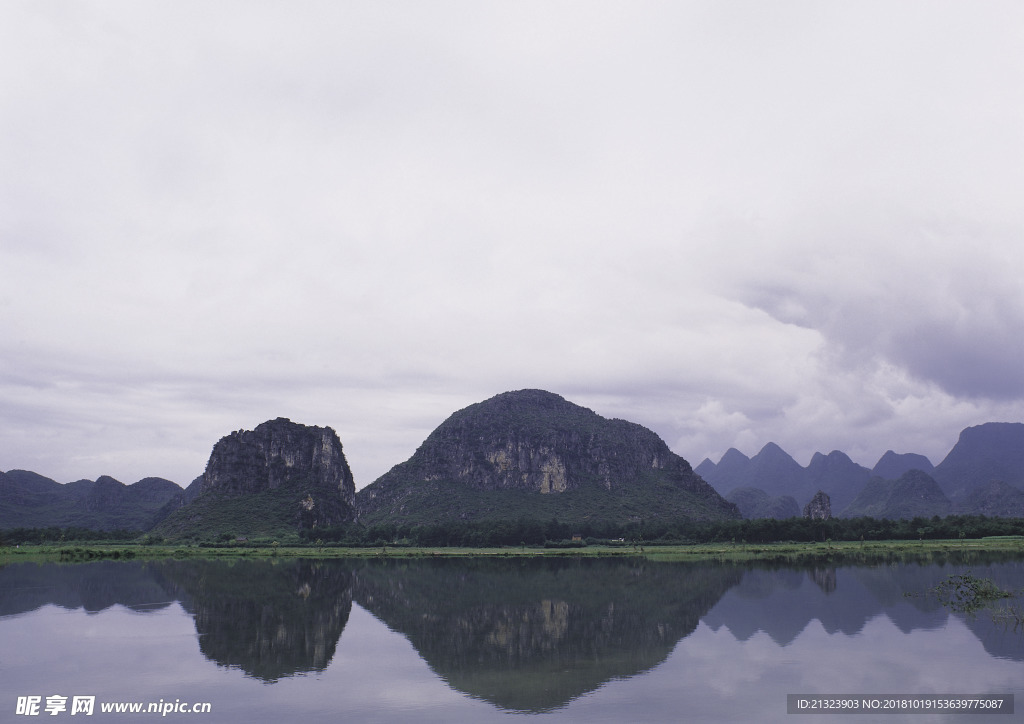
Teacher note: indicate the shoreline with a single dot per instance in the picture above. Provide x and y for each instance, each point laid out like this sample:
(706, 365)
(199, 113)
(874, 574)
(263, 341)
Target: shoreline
(828, 551)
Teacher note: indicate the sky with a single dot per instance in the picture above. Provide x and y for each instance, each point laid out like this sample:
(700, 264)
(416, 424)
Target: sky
(731, 222)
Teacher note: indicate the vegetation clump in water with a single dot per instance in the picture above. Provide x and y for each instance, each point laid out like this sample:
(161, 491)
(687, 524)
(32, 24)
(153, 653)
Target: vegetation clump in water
(966, 593)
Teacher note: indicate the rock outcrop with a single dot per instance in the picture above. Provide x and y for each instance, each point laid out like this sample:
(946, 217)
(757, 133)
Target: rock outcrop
(284, 455)
(819, 507)
(532, 453)
(280, 478)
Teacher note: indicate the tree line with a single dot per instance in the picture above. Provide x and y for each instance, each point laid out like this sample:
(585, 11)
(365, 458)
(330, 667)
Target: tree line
(56, 534)
(525, 531)
(533, 532)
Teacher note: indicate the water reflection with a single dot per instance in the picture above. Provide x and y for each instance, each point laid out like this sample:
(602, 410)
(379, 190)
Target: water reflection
(532, 635)
(782, 603)
(271, 619)
(93, 587)
(529, 635)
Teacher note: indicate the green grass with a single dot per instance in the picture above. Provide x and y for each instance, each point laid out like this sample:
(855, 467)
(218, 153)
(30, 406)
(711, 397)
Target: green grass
(838, 553)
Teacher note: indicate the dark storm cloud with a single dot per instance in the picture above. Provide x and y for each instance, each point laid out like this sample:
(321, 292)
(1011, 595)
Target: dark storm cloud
(946, 308)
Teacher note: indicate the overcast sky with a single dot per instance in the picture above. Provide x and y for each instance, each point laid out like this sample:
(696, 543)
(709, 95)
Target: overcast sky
(731, 222)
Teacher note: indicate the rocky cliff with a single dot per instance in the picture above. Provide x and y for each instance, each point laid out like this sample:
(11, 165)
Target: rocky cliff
(278, 453)
(532, 453)
(819, 508)
(280, 477)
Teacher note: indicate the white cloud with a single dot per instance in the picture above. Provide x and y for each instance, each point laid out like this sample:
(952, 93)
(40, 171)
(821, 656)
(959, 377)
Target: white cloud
(801, 218)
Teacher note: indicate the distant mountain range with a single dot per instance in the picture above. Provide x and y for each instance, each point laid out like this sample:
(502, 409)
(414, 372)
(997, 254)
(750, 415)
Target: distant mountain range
(982, 474)
(527, 454)
(29, 500)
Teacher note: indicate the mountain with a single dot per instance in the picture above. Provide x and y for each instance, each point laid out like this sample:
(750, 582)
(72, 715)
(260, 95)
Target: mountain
(181, 499)
(771, 470)
(23, 489)
(774, 471)
(992, 451)
(914, 494)
(777, 474)
(995, 499)
(838, 476)
(706, 469)
(984, 454)
(279, 478)
(31, 500)
(755, 503)
(521, 454)
(732, 467)
(534, 454)
(892, 465)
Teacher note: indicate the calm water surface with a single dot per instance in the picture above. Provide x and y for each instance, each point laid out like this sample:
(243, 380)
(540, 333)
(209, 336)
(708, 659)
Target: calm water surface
(471, 640)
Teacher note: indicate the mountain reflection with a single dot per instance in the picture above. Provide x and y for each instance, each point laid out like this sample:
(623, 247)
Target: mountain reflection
(92, 587)
(271, 619)
(534, 634)
(525, 634)
(782, 603)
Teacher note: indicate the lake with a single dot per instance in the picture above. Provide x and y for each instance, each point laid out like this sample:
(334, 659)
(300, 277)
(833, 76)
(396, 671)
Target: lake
(492, 639)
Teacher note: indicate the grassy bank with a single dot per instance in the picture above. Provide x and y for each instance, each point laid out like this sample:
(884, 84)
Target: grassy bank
(832, 552)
